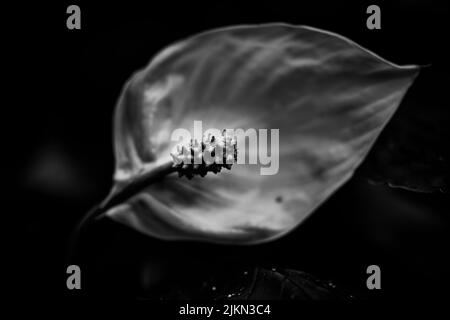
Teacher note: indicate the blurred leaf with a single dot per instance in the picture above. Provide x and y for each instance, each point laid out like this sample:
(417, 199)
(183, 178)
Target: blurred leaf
(412, 152)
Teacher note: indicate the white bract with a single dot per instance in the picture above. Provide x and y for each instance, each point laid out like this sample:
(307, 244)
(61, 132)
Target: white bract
(329, 97)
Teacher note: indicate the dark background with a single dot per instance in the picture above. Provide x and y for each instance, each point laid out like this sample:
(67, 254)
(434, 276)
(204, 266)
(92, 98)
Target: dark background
(61, 134)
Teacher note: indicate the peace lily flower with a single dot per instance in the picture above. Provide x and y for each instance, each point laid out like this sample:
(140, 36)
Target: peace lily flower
(329, 98)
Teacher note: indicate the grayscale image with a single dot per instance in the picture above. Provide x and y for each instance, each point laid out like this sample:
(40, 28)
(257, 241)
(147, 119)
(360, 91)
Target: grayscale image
(232, 161)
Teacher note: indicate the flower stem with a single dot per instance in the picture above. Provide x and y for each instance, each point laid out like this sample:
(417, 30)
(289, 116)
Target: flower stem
(115, 198)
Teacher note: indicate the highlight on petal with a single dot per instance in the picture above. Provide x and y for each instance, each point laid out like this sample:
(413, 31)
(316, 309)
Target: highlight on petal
(329, 98)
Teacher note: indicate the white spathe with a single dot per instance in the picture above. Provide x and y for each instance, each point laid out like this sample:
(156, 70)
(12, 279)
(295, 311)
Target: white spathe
(329, 98)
